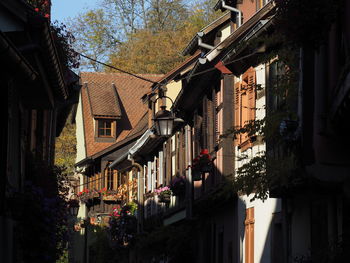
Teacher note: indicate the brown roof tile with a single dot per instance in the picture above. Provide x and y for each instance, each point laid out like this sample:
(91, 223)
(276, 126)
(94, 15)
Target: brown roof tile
(128, 105)
(103, 98)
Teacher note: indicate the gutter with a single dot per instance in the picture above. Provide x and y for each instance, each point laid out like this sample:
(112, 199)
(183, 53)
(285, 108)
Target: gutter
(238, 12)
(256, 22)
(140, 142)
(119, 159)
(200, 41)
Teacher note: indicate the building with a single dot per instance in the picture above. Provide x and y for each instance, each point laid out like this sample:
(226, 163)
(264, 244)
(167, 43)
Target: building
(110, 118)
(40, 91)
(225, 226)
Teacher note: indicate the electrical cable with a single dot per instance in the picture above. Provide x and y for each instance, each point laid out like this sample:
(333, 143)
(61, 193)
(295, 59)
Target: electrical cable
(155, 82)
(121, 70)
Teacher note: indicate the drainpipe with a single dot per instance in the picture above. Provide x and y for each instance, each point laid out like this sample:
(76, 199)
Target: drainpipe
(238, 12)
(200, 41)
(141, 189)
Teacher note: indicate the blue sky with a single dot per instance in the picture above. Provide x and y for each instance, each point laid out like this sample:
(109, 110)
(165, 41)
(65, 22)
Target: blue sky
(62, 9)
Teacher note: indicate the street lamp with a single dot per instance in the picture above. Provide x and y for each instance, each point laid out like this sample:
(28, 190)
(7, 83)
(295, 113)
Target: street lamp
(163, 119)
(164, 122)
(73, 206)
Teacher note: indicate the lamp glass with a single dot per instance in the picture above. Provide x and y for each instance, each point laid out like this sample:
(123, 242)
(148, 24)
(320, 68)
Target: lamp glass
(164, 126)
(73, 210)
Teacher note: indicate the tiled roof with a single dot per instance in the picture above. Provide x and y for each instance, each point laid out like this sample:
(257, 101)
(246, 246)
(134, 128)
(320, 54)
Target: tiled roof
(104, 99)
(98, 98)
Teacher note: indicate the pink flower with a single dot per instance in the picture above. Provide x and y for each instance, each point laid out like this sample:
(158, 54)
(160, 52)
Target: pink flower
(36, 9)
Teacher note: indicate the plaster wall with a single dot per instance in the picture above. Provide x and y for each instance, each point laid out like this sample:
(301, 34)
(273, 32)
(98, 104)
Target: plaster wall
(81, 149)
(263, 214)
(173, 90)
(225, 32)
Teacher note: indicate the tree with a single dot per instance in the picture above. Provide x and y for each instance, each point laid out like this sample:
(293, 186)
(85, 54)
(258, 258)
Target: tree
(65, 149)
(95, 36)
(140, 36)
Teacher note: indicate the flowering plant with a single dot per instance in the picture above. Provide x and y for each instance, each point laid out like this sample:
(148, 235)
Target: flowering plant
(122, 226)
(164, 194)
(110, 195)
(203, 161)
(84, 195)
(163, 190)
(41, 6)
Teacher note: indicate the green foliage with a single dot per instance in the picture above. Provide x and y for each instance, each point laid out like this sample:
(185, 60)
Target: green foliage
(63, 258)
(95, 35)
(65, 148)
(140, 36)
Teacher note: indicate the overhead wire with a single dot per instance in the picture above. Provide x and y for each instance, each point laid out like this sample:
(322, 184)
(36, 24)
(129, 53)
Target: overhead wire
(155, 82)
(119, 69)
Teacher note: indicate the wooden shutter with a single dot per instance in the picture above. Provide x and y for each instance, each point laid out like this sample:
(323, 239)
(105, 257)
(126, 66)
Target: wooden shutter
(251, 91)
(204, 127)
(237, 109)
(115, 179)
(249, 235)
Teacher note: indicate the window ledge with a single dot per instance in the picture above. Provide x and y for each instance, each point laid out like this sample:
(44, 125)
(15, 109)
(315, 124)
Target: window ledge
(104, 139)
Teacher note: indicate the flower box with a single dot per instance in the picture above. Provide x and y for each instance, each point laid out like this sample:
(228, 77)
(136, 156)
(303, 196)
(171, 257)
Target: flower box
(164, 194)
(164, 198)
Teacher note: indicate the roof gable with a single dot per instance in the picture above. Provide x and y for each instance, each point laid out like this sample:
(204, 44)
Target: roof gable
(112, 95)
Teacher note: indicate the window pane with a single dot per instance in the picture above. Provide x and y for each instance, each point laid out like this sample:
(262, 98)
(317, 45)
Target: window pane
(100, 124)
(107, 132)
(108, 124)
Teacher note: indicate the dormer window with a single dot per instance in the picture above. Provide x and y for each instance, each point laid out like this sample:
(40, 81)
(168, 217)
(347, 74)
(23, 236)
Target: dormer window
(105, 128)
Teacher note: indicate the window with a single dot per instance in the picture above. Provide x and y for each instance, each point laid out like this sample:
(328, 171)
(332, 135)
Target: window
(105, 128)
(109, 179)
(245, 99)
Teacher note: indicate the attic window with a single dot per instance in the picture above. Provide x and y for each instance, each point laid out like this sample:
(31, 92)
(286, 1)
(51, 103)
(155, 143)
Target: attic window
(105, 128)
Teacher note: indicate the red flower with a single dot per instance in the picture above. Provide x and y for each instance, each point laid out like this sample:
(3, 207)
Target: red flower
(47, 16)
(204, 151)
(36, 9)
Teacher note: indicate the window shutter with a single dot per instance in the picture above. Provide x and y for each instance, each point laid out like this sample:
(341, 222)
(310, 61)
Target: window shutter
(210, 124)
(251, 94)
(249, 235)
(216, 121)
(237, 109)
(115, 178)
(204, 127)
